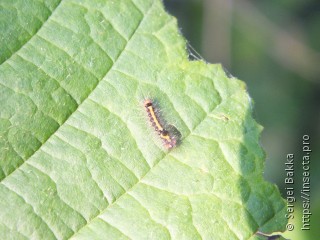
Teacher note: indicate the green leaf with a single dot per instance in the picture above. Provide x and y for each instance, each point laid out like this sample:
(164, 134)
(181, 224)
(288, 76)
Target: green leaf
(78, 156)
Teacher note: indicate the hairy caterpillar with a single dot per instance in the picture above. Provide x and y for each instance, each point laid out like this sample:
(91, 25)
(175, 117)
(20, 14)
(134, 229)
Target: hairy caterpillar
(169, 141)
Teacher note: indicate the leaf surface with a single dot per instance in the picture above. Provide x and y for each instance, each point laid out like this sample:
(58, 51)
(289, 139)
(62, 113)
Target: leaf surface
(78, 157)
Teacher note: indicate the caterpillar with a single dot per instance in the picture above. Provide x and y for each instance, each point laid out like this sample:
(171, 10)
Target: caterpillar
(169, 141)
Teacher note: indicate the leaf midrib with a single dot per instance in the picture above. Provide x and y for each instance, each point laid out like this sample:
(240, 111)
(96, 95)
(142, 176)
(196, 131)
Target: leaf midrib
(80, 104)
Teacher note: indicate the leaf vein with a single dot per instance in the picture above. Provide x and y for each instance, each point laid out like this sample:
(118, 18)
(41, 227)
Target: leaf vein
(32, 207)
(43, 23)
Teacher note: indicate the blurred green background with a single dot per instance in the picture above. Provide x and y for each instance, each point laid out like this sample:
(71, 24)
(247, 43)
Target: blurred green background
(274, 46)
